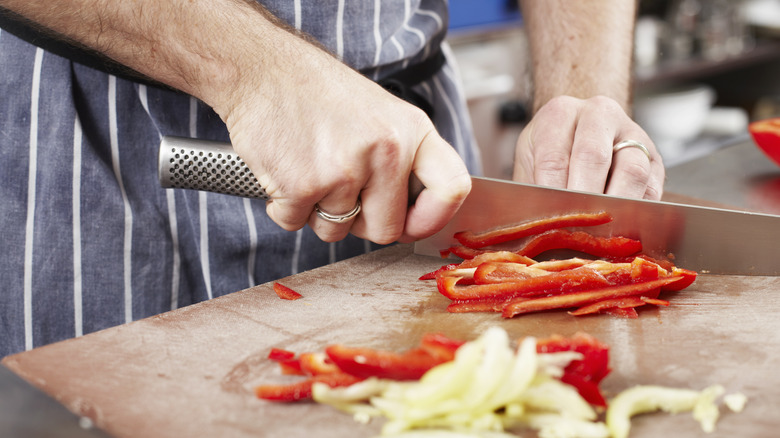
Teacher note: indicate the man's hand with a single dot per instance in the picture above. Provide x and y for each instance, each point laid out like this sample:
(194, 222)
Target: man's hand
(313, 131)
(582, 55)
(569, 142)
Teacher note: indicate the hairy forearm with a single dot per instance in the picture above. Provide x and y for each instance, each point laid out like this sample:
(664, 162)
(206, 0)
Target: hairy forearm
(202, 47)
(580, 48)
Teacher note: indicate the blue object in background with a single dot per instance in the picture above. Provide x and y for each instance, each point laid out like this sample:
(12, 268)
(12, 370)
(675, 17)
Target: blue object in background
(468, 15)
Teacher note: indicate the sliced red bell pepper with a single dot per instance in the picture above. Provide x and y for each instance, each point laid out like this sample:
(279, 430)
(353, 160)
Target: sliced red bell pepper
(622, 312)
(612, 303)
(287, 361)
(656, 301)
(285, 292)
(584, 374)
(497, 256)
(505, 234)
(500, 272)
(581, 241)
(461, 251)
(440, 346)
(315, 364)
(302, 390)
(367, 362)
(278, 354)
(588, 389)
(503, 272)
(688, 277)
(583, 298)
(570, 280)
(477, 305)
(432, 275)
(766, 134)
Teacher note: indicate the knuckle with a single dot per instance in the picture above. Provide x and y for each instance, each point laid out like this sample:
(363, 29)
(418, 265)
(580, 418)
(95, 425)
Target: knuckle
(594, 153)
(637, 172)
(560, 106)
(552, 162)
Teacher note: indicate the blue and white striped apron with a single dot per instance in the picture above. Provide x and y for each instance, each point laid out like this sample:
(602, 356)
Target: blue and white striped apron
(90, 240)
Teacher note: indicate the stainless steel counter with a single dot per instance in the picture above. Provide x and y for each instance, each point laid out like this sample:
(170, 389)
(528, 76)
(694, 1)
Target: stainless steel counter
(740, 176)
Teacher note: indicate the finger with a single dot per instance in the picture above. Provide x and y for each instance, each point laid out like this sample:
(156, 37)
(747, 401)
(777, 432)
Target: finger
(384, 201)
(339, 202)
(549, 141)
(447, 183)
(634, 174)
(289, 213)
(591, 156)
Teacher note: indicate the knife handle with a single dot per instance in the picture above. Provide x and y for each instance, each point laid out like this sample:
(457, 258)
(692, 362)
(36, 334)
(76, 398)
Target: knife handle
(213, 166)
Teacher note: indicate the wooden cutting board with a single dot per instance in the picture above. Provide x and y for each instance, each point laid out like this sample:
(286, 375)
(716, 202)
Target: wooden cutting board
(191, 372)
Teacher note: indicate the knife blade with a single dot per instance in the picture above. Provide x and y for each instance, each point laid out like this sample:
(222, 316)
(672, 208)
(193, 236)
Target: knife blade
(704, 239)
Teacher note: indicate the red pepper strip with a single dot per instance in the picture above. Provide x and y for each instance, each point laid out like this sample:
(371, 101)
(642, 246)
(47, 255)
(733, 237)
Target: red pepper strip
(366, 362)
(291, 367)
(440, 346)
(302, 390)
(461, 251)
(315, 364)
(581, 241)
(432, 275)
(622, 312)
(584, 374)
(463, 275)
(583, 298)
(688, 277)
(285, 292)
(613, 303)
(477, 305)
(665, 264)
(278, 354)
(555, 282)
(561, 265)
(497, 256)
(656, 301)
(529, 228)
(500, 272)
(595, 361)
(286, 360)
(589, 390)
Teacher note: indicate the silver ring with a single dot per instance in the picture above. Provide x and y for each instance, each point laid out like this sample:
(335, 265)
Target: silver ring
(340, 218)
(631, 144)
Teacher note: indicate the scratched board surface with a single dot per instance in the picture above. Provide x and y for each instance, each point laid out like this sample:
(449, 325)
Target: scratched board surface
(191, 372)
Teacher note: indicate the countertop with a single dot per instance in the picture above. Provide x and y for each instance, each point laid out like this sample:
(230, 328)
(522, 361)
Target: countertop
(190, 372)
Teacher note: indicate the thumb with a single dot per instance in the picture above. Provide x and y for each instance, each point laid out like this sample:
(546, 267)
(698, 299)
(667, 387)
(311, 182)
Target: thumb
(446, 184)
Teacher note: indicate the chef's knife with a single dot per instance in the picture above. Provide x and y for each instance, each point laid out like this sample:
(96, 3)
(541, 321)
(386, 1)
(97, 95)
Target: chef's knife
(708, 240)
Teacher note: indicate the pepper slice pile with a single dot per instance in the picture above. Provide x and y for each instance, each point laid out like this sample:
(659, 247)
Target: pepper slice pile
(617, 281)
(340, 365)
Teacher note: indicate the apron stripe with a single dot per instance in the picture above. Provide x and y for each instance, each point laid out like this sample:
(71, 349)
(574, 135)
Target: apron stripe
(128, 214)
(78, 317)
(31, 188)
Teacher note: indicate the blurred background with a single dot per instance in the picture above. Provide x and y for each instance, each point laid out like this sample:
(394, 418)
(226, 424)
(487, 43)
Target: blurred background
(703, 70)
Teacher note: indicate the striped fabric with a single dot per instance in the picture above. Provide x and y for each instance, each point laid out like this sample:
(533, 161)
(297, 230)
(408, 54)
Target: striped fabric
(90, 240)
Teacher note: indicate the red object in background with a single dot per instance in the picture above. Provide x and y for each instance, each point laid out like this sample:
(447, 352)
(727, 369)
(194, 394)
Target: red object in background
(766, 134)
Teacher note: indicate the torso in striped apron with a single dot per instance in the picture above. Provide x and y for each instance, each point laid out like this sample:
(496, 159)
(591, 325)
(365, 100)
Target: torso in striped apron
(90, 240)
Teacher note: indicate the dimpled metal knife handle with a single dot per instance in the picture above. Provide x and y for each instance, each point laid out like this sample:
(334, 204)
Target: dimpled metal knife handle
(188, 163)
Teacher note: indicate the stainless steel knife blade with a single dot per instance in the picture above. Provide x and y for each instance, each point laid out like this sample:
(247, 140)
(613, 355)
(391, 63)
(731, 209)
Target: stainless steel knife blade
(708, 240)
